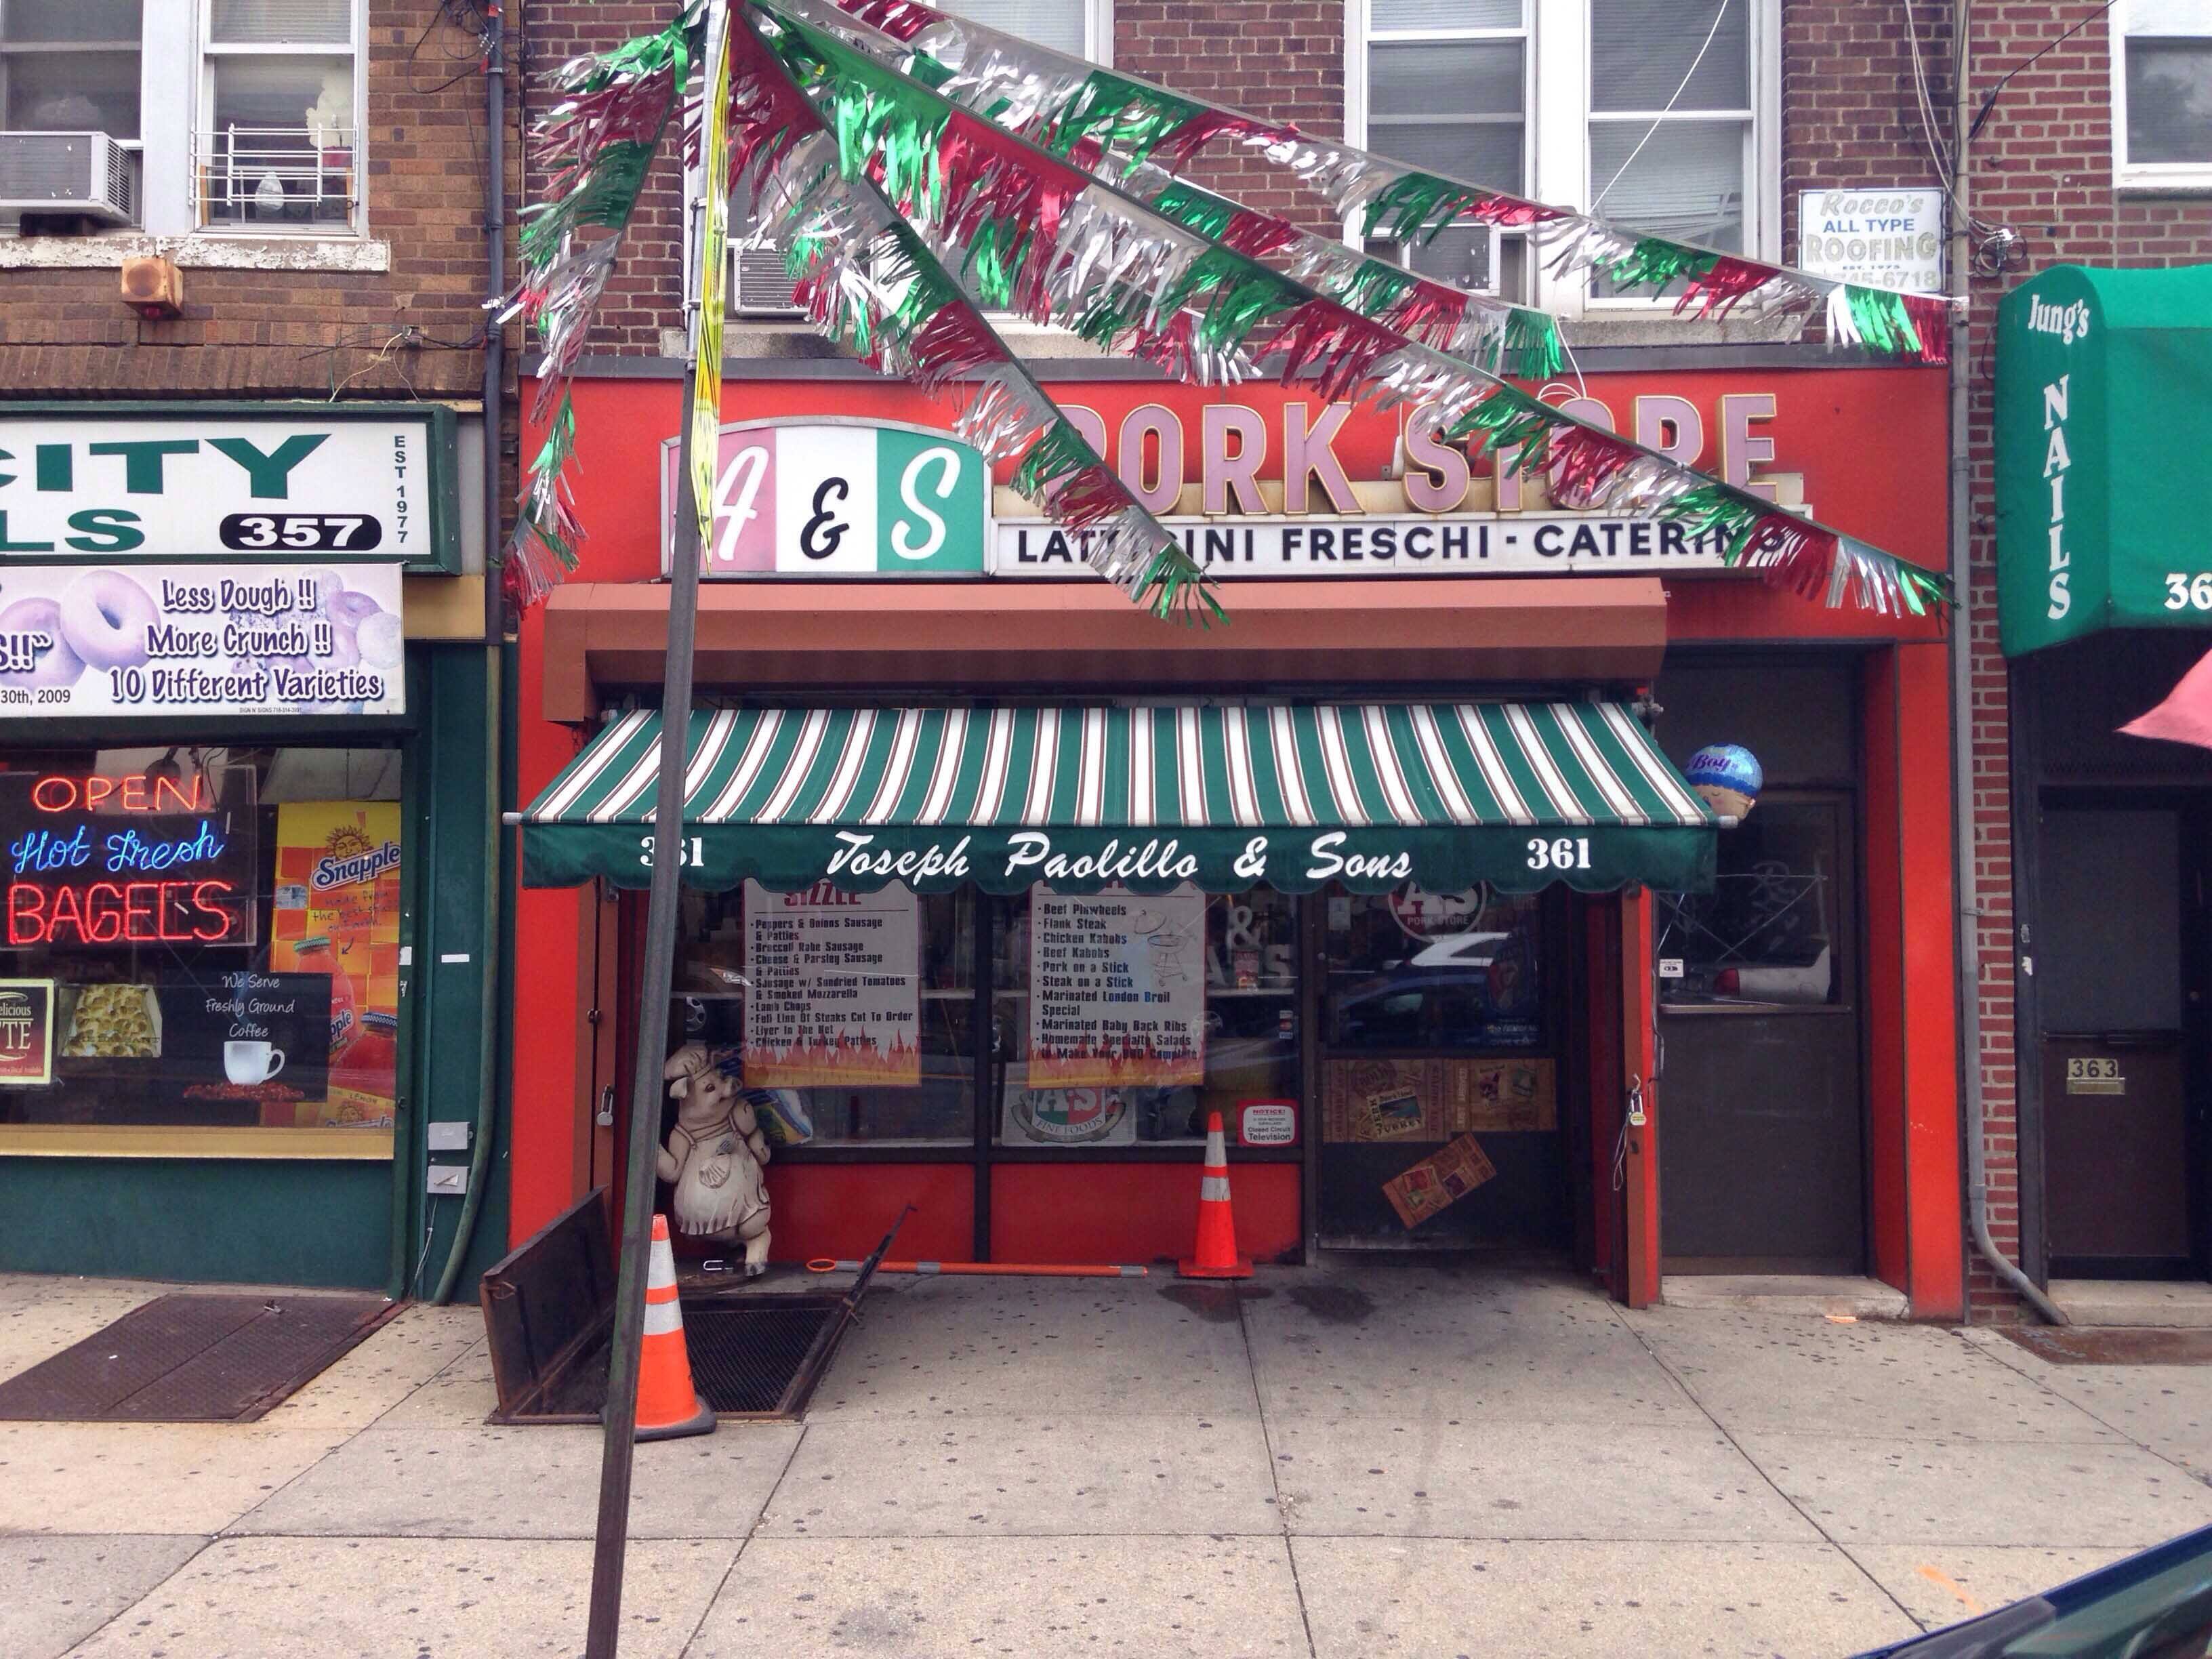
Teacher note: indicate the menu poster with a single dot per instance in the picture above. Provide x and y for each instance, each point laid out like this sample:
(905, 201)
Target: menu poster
(337, 912)
(27, 1033)
(835, 988)
(1117, 989)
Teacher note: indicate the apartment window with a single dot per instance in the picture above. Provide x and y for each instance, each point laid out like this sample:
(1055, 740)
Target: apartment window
(758, 286)
(1658, 114)
(1084, 28)
(69, 66)
(279, 146)
(2162, 95)
(1447, 91)
(182, 115)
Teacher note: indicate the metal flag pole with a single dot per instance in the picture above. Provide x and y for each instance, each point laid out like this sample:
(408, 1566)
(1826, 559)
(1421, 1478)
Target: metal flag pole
(701, 409)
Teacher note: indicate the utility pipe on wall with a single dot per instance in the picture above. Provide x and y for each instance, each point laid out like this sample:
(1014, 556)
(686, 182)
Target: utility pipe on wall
(495, 376)
(1962, 693)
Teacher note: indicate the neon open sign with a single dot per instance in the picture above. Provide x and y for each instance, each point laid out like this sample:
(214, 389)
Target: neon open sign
(93, 859)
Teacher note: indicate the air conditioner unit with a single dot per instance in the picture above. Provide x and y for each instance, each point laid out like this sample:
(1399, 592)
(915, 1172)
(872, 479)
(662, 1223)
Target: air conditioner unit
(759, 286)
(80, 173)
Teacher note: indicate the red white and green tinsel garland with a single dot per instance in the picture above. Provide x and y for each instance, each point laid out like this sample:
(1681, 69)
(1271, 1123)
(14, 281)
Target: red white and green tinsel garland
(905, 211)
(869, 282)
(1039, 235)
(1108, 122)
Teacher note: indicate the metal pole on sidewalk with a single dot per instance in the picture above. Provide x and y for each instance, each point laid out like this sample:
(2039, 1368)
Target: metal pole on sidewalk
(611, 1543)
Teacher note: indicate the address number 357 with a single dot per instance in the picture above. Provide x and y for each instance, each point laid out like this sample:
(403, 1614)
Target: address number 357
(2186, 592)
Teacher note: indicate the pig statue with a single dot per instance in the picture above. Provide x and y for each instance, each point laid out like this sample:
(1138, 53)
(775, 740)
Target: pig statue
(715, 1151)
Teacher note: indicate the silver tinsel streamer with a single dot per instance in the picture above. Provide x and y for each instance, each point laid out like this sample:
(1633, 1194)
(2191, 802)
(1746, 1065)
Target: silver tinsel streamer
(1107, 240)
(866, 255)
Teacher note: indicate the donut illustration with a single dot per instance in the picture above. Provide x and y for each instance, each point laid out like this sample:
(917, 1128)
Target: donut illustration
(354, 609)
(57, 664)
(103, 618)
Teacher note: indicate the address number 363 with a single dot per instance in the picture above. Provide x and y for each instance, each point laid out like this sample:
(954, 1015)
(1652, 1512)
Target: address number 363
(2186, 592)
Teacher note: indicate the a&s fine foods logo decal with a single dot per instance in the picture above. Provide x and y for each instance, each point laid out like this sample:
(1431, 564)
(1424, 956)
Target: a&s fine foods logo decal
(1070, 1117)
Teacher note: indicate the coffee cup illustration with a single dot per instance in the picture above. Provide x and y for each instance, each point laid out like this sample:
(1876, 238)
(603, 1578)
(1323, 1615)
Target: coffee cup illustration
(246, 1063)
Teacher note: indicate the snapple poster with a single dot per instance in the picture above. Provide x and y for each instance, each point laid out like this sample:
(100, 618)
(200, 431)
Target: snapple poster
(219, 928)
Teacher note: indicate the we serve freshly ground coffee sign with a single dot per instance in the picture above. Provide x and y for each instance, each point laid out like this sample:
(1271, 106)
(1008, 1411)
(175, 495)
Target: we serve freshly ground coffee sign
(146, 481)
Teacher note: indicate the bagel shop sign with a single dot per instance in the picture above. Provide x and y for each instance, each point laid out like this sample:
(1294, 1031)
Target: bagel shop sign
(127, 639)
(241, 481)
(91, 859)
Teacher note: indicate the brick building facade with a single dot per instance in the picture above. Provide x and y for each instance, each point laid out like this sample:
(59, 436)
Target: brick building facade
(1806, 96)
(315, 174)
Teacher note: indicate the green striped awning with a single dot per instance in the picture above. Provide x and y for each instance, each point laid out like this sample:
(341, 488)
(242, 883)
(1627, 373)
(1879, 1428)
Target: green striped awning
(1293, 797)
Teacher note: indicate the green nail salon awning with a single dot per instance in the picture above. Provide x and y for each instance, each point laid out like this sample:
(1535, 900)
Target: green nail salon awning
(1369, 795)
(2104, 421)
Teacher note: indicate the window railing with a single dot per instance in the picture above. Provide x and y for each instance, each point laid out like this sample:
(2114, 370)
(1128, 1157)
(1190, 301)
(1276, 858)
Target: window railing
(276, 178)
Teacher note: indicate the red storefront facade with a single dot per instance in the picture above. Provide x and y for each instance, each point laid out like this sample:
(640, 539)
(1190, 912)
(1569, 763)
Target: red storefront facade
(1839, 973)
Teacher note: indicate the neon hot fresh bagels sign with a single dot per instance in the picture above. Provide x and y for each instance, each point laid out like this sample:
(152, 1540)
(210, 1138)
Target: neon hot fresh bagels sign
(91, 859)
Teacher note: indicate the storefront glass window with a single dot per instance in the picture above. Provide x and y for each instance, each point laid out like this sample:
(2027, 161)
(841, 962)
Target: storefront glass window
(1235, 996)
(1766, 936)
(201, 937)
(854, 1014)
(1413, 971)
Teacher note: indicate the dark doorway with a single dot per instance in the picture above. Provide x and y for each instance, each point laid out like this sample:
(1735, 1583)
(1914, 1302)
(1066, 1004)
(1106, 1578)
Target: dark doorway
(1762, 1163)
(2117, 963)
(1442, 1018)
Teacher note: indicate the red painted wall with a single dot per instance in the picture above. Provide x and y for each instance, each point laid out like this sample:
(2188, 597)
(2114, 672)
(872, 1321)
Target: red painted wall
(1884, 994)
(1133, 1213)
(843, 1210)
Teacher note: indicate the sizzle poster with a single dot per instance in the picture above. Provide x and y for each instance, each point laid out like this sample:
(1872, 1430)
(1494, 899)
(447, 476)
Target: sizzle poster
(1117, 989)
(338, 914)
(834, 995)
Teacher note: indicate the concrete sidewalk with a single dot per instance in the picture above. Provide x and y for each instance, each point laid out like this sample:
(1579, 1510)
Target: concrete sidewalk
(1372, 1458)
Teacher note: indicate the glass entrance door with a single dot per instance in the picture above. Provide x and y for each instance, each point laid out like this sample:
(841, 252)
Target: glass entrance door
(1440, 1076)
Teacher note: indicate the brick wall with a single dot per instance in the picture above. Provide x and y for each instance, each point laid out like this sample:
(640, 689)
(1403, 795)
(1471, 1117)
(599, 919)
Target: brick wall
(1280, 59)
(278, 333)
(2043, 167)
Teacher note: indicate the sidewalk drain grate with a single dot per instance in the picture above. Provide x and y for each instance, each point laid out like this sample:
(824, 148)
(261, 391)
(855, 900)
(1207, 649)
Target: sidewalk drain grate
(2115, 1345)
(189, 1358)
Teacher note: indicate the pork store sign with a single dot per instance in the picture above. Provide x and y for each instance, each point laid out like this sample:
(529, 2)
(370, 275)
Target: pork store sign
(239, 482)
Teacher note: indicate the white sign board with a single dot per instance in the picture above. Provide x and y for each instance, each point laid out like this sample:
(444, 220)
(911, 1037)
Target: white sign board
(190, 485)
(1410, 544)
(1883, 237)
(1117, 989)
(201, 639)
(835, 995)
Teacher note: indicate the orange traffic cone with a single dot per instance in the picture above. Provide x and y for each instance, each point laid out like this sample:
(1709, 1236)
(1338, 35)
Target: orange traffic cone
(668, 1407)
(1216, 1255)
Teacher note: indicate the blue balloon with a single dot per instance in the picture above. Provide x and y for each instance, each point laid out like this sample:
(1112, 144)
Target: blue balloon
(1725, 766)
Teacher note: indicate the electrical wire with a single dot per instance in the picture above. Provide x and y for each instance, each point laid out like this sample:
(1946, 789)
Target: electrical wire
(1990, 103)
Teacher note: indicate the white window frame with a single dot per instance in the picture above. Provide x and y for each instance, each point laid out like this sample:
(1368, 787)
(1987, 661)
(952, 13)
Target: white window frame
(1098, 42)
(1556, 104)
(206, 53)
(2190, 176)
